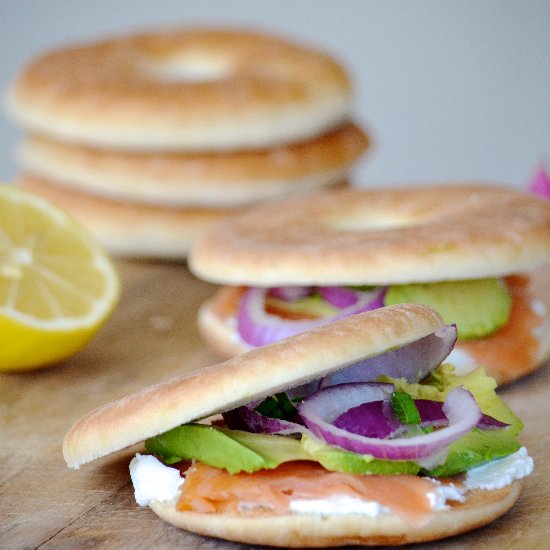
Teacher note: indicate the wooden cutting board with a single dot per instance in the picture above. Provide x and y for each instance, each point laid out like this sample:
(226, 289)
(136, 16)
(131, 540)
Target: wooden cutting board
(151, 337)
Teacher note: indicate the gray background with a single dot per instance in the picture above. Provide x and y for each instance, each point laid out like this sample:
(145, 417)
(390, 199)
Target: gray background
(449, 90)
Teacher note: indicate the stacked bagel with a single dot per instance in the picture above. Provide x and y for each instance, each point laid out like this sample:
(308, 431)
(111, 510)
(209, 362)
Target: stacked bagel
(149, 139)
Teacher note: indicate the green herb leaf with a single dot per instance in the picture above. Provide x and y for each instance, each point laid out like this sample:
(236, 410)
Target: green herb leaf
(404, 408)
(277, 406)
(363, 288)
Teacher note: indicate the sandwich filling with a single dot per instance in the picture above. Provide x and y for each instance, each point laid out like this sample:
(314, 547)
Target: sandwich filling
(492, 315)
(411, 443)
(306, 488)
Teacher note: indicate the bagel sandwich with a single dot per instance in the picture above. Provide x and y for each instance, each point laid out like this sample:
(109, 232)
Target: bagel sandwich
(477, 253)
(355, 432)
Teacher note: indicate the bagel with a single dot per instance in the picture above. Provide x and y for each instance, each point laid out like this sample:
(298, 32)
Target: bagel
(129, 229)
(379, 236)
(191, 89)
(472, 497)
(227, 179)
(415, 234)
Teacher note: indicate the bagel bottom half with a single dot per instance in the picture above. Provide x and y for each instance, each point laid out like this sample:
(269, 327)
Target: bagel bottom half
(517, 349)
(311, 530)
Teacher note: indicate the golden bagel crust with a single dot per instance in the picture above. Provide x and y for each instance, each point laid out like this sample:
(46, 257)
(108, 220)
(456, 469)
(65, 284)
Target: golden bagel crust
(186, 89)
(197, 179)
(256, 374)
(132, 229)
(379, 236)
(315, 531)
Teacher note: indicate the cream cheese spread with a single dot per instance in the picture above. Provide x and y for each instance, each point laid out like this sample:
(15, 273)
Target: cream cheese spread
(153, 480)
(337, 506)
(349, 505)
(499, 473)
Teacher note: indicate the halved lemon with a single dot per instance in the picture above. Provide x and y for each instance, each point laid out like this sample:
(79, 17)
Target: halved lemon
(57, 284)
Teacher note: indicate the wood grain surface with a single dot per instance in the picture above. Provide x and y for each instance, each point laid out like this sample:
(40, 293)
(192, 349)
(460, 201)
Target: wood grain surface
(152, 336)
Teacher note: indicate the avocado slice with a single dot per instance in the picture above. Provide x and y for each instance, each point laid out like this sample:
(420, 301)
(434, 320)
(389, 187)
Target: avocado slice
(474, 449)
(238, 451)
(233, 450)
(478, 307)
(340, 460)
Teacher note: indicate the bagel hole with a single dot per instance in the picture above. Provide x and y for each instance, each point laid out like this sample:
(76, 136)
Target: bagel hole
(371, 223)
(190, 69)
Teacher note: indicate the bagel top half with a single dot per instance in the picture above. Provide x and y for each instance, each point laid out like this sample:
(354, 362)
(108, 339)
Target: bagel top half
(182, 89)
(256, 374)
(379, 236)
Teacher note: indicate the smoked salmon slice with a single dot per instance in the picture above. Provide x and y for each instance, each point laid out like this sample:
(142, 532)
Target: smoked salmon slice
(212, 490)
(509, 352)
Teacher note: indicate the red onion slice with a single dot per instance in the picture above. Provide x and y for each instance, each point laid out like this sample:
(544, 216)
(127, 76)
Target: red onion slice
(290, 293)
(377, 419)
(412, 361)
(258, 328)
(431, 414)
(343, 297)
(373, 419)
(540, 184)
(339, 296)
(247, 419)
(322, 408)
